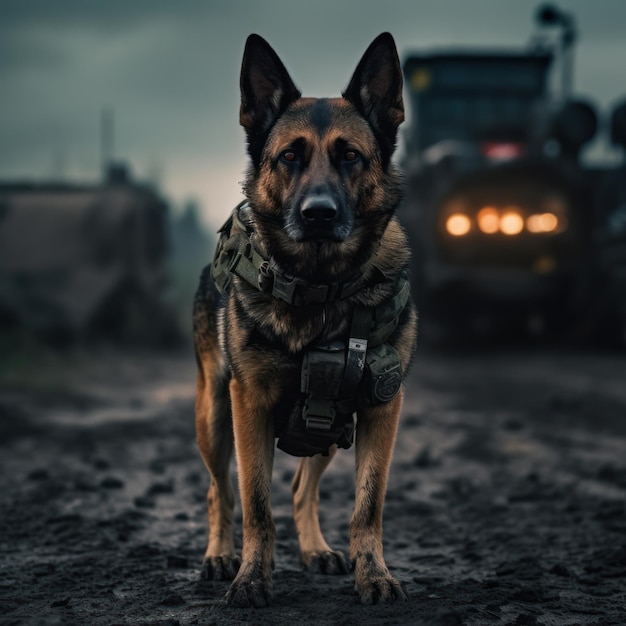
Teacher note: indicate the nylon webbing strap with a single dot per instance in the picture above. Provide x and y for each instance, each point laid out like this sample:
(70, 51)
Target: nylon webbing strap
(247, 262)
(357, 350)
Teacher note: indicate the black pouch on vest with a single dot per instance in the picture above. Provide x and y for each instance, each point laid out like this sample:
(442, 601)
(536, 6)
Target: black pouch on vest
(383, 374)
(314, 423)
(296, 439)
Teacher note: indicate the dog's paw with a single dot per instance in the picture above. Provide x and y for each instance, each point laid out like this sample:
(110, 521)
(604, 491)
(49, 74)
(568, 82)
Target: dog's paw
(328, 562)
(247, 593)
(380, 589)
(220, 567)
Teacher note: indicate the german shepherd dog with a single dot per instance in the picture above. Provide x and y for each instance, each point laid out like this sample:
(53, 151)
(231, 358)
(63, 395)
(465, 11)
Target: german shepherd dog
(323, 265)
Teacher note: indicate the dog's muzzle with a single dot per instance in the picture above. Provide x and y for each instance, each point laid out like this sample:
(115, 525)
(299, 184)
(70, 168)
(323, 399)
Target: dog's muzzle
(320, 217)
(319, 211)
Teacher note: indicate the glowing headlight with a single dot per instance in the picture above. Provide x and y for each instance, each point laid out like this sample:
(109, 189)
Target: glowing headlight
(511, 223)
(488, 220)
(542, 223)
(458, 224)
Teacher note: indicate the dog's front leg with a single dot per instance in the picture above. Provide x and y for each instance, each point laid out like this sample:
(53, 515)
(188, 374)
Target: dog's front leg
(375, 437)
(254, 443)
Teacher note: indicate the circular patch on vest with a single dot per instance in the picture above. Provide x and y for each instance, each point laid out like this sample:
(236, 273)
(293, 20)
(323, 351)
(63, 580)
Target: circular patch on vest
(387, 386)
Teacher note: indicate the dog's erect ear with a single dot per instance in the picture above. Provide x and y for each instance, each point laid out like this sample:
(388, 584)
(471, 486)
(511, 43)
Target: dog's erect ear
(266, 88)
(376, 91)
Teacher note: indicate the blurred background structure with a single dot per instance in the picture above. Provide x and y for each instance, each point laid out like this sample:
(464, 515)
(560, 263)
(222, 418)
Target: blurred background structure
(121, 154)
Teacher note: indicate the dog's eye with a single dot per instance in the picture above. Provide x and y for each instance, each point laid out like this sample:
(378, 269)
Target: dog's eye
(350, 155)
(290, 156)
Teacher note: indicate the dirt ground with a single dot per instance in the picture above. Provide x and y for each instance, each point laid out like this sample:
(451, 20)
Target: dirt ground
(506, 503)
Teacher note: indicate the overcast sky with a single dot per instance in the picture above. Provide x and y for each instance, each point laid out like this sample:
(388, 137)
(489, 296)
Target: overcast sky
(170, 71)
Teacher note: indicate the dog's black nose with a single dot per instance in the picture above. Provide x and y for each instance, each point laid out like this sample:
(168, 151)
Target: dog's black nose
(319, 209)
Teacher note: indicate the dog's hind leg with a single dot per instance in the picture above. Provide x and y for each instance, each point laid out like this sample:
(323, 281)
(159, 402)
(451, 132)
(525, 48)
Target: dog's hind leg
(215, 440)
(254, 441)
(375, 437)
(317, 556)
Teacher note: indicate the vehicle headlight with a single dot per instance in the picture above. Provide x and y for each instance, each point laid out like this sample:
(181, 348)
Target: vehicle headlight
(488, 219)
(511, 222)
(551, 219)
(542, 223)
(458, 224)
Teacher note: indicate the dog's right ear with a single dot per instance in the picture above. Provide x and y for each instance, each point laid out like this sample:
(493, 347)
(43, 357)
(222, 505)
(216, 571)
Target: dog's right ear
(266, 89)
(376, 91)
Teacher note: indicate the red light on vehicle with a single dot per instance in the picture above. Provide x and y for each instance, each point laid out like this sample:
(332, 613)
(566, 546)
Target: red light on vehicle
(502, 151)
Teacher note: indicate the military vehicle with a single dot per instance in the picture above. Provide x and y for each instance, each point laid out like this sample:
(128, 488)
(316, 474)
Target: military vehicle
(499, 207)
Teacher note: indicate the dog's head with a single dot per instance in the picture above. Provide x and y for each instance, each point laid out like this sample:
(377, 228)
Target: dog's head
(321, 167)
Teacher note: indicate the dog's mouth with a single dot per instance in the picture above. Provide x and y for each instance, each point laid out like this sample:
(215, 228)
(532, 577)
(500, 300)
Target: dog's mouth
(321, 236)
(336, 235)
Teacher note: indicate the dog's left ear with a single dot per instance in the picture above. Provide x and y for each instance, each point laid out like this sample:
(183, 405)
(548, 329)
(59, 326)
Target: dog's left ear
(376, 91)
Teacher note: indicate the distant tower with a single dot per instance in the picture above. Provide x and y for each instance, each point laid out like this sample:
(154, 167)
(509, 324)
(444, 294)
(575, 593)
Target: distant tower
(550, 16)
(107, 141)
